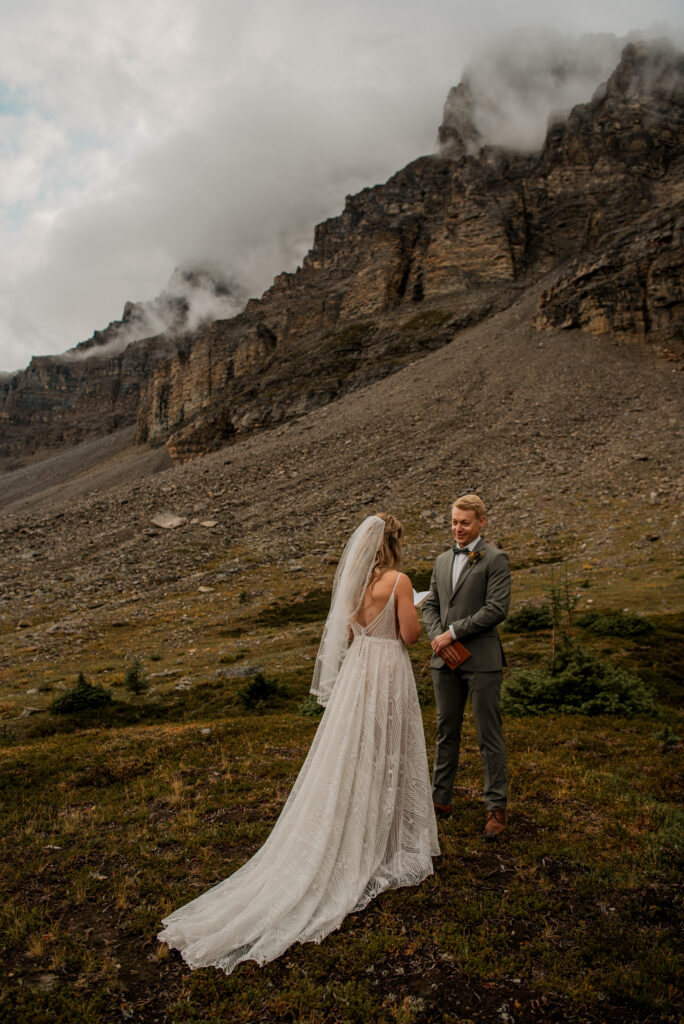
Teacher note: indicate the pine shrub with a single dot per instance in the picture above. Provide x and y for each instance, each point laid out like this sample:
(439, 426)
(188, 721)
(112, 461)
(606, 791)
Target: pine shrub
(667, 736)
(259, 692)
(84, 696)
(529, 619)
(582, 684)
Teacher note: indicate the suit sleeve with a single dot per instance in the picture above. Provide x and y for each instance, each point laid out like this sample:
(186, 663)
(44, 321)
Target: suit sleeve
(430, 609)
(497, 600)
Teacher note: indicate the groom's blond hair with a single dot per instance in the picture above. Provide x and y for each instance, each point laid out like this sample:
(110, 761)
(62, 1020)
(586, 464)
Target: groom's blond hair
(471, 503)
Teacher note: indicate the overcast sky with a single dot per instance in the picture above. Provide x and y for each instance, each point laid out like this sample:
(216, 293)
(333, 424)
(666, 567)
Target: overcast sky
(140, 136)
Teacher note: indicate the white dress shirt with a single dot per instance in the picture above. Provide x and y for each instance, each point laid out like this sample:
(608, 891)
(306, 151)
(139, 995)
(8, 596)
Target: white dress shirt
(459, 564)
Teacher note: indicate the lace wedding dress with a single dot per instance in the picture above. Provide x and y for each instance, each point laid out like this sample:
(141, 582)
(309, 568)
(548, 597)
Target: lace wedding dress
(359, 819)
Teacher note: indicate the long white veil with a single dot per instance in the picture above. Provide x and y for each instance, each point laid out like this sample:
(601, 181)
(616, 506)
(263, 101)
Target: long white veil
(351, 579)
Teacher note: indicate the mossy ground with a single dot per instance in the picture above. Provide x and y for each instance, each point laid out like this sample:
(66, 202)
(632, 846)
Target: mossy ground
(114, 819)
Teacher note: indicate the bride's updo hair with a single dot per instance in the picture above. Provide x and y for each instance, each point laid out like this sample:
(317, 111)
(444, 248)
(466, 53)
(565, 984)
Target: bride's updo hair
(389, 552)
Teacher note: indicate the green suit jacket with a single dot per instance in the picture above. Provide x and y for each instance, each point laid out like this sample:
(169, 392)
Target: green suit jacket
(475, 608)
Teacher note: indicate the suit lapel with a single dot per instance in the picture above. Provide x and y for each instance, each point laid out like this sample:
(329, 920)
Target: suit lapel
(444, 580)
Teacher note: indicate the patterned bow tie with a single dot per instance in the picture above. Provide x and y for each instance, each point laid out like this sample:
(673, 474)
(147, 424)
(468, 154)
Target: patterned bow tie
(461, 551)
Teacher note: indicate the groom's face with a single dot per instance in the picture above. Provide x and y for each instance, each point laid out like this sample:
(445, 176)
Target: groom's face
(465, 525)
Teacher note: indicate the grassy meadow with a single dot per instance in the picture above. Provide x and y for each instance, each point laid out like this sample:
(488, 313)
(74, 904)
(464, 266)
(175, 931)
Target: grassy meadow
(111, 818)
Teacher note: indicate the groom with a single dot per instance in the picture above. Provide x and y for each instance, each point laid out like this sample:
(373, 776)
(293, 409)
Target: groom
(470, 594)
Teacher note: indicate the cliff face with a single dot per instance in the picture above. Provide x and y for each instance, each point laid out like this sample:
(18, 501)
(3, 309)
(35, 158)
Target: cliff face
(628, 277)
(95, 388)
(446, 242)
(635, 287)
(56, 402)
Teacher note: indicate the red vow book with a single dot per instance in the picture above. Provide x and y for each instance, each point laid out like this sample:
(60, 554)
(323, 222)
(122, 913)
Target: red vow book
(454, 655)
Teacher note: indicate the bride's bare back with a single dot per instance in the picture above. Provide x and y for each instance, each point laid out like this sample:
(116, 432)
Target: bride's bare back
(378, 594)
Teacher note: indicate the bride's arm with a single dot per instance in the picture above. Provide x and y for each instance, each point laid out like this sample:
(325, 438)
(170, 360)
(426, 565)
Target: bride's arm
(409, 626)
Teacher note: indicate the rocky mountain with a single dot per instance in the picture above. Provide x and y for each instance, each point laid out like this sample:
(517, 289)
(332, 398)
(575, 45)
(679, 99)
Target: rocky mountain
(446, 243)
(95, 388)
(58, 402)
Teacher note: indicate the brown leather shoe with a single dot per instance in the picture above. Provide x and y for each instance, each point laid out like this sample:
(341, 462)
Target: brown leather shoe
(443, 810)
(495, 822)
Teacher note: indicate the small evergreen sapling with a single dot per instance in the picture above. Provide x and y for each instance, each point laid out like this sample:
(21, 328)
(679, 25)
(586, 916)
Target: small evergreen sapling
(135, 679)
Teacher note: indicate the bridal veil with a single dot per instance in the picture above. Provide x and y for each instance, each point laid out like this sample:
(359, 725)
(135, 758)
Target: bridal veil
(351, 579)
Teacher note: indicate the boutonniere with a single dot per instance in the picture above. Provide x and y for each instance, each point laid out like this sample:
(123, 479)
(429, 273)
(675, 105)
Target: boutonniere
(474, 557)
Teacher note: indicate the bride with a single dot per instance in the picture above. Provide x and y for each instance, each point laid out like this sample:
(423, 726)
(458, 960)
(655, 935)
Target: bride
(359, 819)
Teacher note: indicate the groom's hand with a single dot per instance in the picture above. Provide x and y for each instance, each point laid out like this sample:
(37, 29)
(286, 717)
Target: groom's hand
(441, 641)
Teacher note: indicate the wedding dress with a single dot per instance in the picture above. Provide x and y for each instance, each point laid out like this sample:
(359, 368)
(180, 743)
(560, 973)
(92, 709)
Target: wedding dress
(359, 819)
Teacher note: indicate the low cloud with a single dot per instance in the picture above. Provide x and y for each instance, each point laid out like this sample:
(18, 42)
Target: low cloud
(193, 297)
(150, 137)
(514, 90)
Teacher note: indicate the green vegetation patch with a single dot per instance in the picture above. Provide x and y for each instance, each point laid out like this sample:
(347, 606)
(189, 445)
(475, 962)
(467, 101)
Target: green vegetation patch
(259, 693)
(529, 619)
(615, 623)
(428, 320)
(572, 917)
(581, 684)
(353, 335)
(310, 708)
(420, 577)
(82, 697)
(131, 809)
(313, 607)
